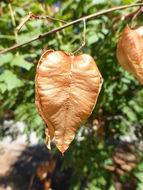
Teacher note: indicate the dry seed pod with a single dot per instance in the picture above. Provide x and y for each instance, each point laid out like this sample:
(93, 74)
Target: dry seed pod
(66, 88)
(130, 51)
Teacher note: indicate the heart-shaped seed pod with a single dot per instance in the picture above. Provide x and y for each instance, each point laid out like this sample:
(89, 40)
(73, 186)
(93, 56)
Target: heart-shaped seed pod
(130, 51)
(66, 88)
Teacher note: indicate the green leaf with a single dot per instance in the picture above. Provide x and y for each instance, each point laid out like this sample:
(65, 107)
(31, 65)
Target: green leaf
(115, 2)
(126, 2)
(94, 188)
(5, 58)
(140, 166)
(112, 187)
(66, 5)
(35, 24)
(139, 175)
(10, 80)
(95, 22)
(92, 39)
(3, 87)
(21, 62)
(7, 37)
(105, 31)
(129, 113)
(102, 180)
(98, 1)
(108, 162)
(140, 186)
(25, 37)
(20, 11)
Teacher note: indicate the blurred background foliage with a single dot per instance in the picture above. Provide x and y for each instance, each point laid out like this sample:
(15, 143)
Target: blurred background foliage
(115, 128)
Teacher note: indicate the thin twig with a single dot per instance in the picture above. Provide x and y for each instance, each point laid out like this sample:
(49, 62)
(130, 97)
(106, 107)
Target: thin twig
(50, 18)
(69, 24)
(118, 117)
(83, 41)
(13, 20)
(11, 14)
(32, 16)
(23, 21)
(140, 10)
(31, 180)
(122, 18)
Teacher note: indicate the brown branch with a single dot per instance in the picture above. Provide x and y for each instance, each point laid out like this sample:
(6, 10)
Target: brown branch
(122, 18)
(140, 10)
(132, 15)
(32, 16)
(69, 24)
(23, 21)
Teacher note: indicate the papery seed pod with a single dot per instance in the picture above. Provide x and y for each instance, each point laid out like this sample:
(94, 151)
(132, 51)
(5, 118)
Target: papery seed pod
(66, 88)
(130, 51)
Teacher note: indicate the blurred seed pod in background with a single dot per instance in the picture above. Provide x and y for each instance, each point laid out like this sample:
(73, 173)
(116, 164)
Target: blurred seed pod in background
(130, 51)
(124, 160)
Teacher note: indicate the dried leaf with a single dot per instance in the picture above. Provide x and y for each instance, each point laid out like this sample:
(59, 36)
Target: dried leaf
(45, 168)
(67, 88)
(109, 168)
(130, 51)
(120, 172)
(128, 157)
(47, 184)
(118, 160)
(126, 167)
(49, 130)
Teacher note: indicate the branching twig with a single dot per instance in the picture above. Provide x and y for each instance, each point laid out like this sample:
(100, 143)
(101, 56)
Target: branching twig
(32, 16)
(69, 24)
(122, 17)
(132, 15)
(83, 40)
(140, 10)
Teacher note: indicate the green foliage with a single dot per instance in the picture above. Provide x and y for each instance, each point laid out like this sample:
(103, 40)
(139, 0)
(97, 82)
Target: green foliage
(121, 94)
(10, 80)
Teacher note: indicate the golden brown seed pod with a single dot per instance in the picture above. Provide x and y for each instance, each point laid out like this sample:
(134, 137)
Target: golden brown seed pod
(130, 51)
(67, 88)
